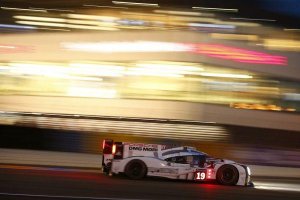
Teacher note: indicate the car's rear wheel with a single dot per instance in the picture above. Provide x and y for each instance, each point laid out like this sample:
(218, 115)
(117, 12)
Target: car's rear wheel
(227, 175)
(136, 169)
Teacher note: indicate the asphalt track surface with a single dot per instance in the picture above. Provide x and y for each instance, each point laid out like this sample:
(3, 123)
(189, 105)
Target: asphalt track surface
(61, 184)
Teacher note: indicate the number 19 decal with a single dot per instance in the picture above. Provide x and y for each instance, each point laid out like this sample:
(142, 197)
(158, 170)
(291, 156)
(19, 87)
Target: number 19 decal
(200, 175)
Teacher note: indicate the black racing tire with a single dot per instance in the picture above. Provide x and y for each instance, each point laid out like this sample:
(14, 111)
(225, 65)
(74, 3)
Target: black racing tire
(136, 169)
(227, 175)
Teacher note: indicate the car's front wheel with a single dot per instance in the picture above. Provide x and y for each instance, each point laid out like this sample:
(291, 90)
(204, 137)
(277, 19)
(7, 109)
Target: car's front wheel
(227, 175)
(136, 169)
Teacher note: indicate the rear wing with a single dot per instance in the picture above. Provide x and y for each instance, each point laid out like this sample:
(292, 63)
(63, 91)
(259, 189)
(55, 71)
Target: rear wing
(120, 150)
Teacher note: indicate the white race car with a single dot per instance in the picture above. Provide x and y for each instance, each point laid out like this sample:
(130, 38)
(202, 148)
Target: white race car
(137, 160)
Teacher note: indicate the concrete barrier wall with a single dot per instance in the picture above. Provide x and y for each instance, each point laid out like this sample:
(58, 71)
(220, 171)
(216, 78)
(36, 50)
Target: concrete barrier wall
(93, 161)
(50, 158)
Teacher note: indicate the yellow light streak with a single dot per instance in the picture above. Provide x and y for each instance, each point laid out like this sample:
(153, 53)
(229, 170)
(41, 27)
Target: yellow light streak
(135, 4)
(234, 37)
(43, 19)
(174, 12)
(23, 9)
(222, 75)
(97, 69)
(74, 26)
(93, 17)
(282, 44)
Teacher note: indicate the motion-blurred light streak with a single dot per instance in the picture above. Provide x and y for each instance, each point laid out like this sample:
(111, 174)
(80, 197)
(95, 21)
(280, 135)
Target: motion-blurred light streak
(133, 46)
(92, 92)
(142, 129)
(97, 69)
(24, 9)
(252, 19)
(277, 186)
(100, 6)
(9, 48)
(135, 4)
(242, 76)
(212, 25)
(91, 17)
(239, 55)
(175, 12)
(282, 44)
(229, 36)
(62, 25)
(211, 50)
(215, 9)
(13, 26)
(40, 19)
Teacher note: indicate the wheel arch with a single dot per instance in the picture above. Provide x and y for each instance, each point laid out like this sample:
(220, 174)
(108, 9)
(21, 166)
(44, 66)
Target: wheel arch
(228, 166)
(136, 165)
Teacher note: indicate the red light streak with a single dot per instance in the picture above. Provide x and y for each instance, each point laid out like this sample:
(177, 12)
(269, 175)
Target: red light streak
(238, 54)
(7, 48)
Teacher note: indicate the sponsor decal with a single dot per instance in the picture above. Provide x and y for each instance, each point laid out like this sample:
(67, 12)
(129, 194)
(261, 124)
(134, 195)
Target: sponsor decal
(143, 147)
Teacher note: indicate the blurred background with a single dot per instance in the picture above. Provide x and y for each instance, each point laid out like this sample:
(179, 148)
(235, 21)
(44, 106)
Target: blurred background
(223, 76)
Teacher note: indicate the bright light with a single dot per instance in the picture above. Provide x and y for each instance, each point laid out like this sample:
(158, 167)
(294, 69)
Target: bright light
(211, 25)
(42, 23)
(135, 46)
(212, 50)
(114, 148)
(16, 26)
(43, 19)
(216, 9)
(55, 9)
(91, 17)
(174, 12)
(153, 72)
(234, 37)
(98, 6)
(90, 22)
(277, 186)
(171, 67)
(164, 70)
(238, 54)
(102, 28)
(92, 92)
(24, 9)
(251, 19)
(95, 22)
(248, 171)
(209, 171)
(39, 69)
(5, 48)
(282, 44)
(103, 144)
(161, 69)
(97, 69)
(74, 26)
(225, 75)
(135, 4)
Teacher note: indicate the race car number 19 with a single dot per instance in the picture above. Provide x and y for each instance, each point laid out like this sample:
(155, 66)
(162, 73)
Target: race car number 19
(200, 175)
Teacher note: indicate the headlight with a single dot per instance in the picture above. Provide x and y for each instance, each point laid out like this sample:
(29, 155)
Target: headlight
(248, 171)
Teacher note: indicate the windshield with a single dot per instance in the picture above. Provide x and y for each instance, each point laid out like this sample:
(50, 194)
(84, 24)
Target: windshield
(193, 160)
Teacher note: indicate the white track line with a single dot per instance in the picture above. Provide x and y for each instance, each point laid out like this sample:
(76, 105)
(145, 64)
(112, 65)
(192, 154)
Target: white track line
(63, 197)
